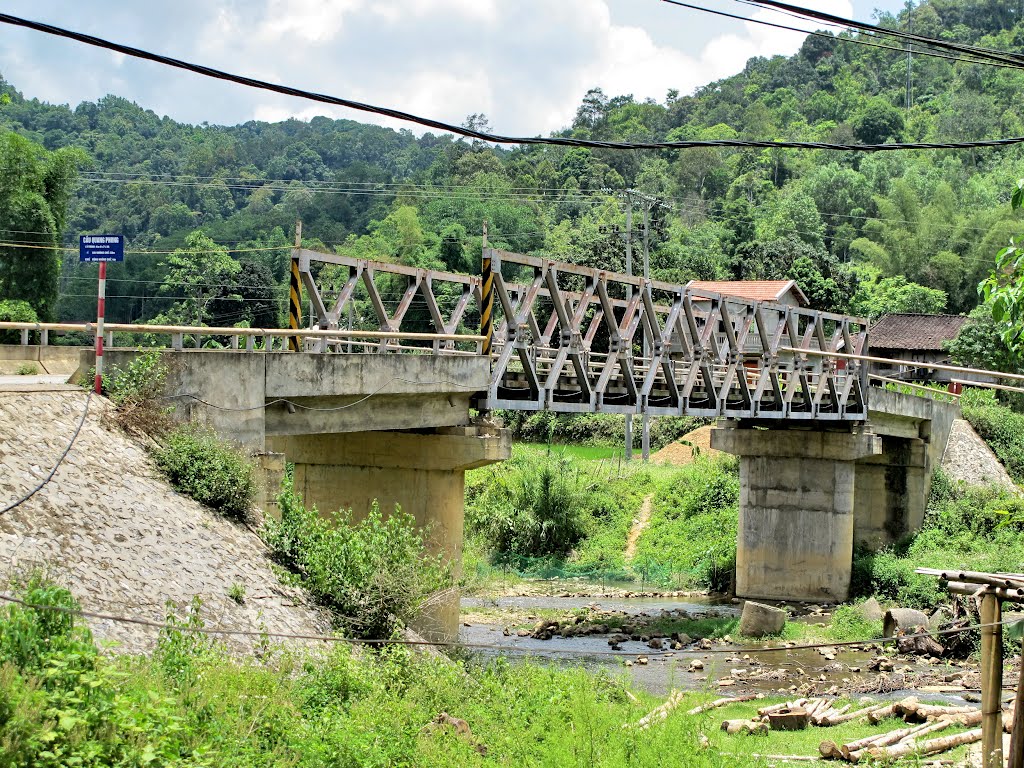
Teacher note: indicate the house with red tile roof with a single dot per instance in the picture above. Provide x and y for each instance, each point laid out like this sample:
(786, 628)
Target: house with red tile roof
(778, 291)
(916, 339)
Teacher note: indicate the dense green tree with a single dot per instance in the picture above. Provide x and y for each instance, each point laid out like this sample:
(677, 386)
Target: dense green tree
(197, 276)
(34, 190)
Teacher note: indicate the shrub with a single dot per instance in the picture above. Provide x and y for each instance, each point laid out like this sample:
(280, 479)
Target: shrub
(136, 389)
(1000, 427)
(848, 623)
(15, 311)
(538, 504)
(138, 381)
(374, 575)
(211, 471)
(27, 369)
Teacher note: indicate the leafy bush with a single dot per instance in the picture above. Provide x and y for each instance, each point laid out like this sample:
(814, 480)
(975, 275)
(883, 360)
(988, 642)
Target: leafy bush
(538, 504)
(593, 428)
(374, 575)
(28, 369)
(848, 623)
(140, 380)
(15, 311)
(136, 389)
(210, 470)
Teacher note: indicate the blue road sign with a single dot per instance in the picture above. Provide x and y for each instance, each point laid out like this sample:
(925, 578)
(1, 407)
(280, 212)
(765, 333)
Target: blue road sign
(101, 248)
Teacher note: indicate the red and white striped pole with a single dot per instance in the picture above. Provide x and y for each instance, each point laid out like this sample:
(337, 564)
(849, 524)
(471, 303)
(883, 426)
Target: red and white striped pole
(100, 311)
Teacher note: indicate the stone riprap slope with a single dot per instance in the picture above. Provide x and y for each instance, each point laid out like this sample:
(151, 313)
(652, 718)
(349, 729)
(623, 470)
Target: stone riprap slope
(110, 528)
(969, 459)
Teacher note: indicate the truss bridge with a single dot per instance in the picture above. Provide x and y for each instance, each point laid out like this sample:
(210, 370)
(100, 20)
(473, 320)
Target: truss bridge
(571, 338)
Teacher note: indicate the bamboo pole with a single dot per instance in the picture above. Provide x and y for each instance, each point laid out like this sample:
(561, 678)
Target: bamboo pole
(1014, 594)
(974, 577)
(991, 682)
(1016, 757)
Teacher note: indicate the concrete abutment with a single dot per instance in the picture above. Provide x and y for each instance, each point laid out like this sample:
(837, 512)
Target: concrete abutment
(423, 473)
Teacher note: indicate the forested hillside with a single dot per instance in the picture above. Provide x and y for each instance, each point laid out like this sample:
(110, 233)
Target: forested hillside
(867, 233)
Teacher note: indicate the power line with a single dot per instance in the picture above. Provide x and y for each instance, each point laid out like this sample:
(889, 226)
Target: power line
(136, 620)
(991, 54)
(60, 460)
(480, 135)
(836, 38)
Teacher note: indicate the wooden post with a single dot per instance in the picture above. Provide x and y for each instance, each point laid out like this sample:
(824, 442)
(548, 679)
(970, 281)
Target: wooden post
(1017, 739)
(991, 682)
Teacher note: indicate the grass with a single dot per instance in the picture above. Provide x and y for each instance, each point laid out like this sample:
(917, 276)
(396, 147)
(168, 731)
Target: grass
(27, 369)
(589, 452)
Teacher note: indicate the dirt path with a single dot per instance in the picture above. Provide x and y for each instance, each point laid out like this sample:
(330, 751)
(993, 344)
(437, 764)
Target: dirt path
(639, 524)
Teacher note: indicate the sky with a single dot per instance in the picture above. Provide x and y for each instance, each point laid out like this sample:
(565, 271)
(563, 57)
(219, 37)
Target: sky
(525, 64)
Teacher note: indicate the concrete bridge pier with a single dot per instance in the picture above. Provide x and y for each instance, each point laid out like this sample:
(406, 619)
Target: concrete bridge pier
(422, 472)
(796, 517)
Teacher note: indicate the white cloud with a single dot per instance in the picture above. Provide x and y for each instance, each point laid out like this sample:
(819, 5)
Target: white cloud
(526, 64)
(309, 21)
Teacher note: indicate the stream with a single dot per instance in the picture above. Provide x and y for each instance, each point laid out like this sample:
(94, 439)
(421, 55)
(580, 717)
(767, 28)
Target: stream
(746, 667)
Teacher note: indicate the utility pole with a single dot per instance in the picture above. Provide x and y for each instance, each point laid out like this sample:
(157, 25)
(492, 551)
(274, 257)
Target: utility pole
(648, 202)
(645, 434)
(629, 295)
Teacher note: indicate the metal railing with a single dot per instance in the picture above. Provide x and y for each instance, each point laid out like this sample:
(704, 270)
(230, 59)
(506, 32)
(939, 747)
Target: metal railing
(182, 337)
(567, 338)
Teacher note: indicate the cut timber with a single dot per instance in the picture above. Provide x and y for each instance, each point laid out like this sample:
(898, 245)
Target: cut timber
(795, 719)
(831, 718)
(822, 716)
(926, 728)
(914, 711)
(744, 726)
(719, 703)
(829, 750)
(881, 714)
(659, 713)
(925, 748)
(855, 750)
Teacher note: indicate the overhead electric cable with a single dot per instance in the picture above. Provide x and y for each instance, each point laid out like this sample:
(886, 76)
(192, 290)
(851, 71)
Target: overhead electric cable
(990, 54)
(60, 460)
(837, 38)
(480, 135)
(263, 633)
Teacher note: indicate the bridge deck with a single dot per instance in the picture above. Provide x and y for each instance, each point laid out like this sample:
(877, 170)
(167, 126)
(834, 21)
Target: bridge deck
(569, 338)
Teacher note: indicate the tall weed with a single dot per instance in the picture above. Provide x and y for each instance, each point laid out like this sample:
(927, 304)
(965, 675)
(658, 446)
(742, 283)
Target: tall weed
(373, 575)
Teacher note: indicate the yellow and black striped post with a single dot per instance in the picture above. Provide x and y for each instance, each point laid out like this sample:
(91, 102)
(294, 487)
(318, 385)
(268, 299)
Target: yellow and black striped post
(487, 297)
(295, 292)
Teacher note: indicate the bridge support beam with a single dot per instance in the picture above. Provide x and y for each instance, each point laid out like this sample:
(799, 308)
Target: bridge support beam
(796, 524)
(423, 473)
(892, 492)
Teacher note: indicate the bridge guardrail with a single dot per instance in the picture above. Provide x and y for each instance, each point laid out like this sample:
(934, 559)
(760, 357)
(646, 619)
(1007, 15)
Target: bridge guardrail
(253, 339)
(569, 338)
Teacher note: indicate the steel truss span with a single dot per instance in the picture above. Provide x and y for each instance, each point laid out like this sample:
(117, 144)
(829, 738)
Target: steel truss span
(575, 339)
